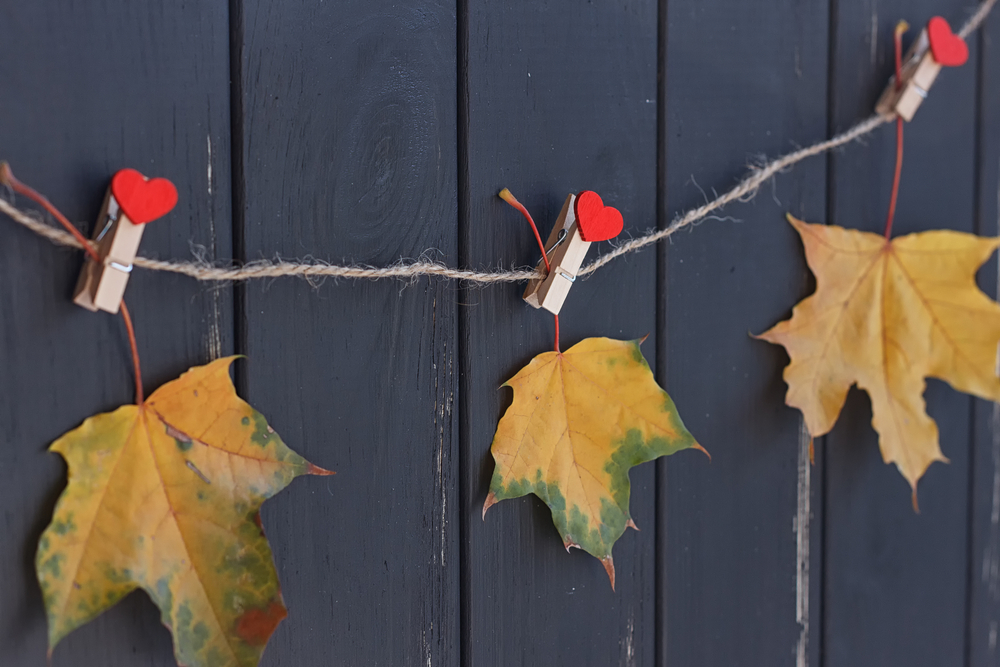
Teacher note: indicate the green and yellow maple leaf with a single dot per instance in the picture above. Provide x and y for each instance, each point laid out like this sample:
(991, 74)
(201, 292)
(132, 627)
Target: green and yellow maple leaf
(580, 420)
(165, 497)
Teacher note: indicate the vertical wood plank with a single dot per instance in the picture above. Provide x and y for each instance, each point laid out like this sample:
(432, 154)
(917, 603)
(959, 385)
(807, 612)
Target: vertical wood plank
(561, 98)
(741, 535)
(90, 89)
(984, 554)
(895, 588)
(349, 154)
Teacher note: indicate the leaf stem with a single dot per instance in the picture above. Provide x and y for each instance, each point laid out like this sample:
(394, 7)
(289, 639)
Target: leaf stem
(901, 27)
(895, 178)
(508, 197)
(7, 178)
(135, 353)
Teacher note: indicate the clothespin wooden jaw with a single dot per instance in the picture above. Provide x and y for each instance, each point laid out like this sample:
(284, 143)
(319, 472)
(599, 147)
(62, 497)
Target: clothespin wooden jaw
(132, 201)
(936, 47)
(566, 251)
(102, 284)
(918, 73)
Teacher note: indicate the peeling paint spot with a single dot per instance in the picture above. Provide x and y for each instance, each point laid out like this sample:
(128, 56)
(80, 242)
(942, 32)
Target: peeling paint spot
(629, 655)
(208, 139)
(214, 331)
(801, 528)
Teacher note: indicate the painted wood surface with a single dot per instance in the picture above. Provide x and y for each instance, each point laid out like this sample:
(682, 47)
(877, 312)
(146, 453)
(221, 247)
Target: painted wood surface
(373, 131)
(731, 532)
(348, 153)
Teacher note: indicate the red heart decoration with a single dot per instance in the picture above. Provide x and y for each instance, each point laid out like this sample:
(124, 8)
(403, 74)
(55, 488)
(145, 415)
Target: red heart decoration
(948, 49)
(597, 221)
(143, 199)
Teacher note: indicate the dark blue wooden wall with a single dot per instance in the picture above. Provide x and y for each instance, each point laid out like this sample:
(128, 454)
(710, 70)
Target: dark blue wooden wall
(369, 131)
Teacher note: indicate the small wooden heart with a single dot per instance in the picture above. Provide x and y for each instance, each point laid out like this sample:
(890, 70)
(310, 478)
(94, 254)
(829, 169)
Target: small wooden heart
(948, 49)
(143, 199)
(597, 221)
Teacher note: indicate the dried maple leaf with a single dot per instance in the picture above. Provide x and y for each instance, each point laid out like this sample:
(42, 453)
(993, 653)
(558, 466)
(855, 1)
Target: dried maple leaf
(885, 316)
(164, 497)
(579, 421)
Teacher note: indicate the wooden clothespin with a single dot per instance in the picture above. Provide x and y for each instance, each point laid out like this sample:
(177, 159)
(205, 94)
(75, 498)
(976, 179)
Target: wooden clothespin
(584, 219)
(565, 250)
(132, 200)
(936, 47)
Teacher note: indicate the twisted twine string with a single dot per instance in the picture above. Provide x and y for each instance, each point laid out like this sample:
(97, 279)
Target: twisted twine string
(745, 190)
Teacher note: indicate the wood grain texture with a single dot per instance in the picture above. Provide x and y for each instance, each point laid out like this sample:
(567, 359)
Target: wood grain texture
(349, 154)
(984, 540)
(741, 80)
(90, 89)
(561, 98)
(895, 584)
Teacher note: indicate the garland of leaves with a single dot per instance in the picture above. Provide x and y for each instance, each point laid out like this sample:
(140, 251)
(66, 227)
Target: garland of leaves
(171, 486)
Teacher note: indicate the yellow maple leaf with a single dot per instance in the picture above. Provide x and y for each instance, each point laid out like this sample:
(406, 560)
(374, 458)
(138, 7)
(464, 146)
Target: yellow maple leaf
(164, 497)
(579, 421)
(885, 316)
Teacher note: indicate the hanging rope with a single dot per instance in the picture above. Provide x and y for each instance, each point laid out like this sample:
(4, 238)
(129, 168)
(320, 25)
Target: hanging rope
(745, 190)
